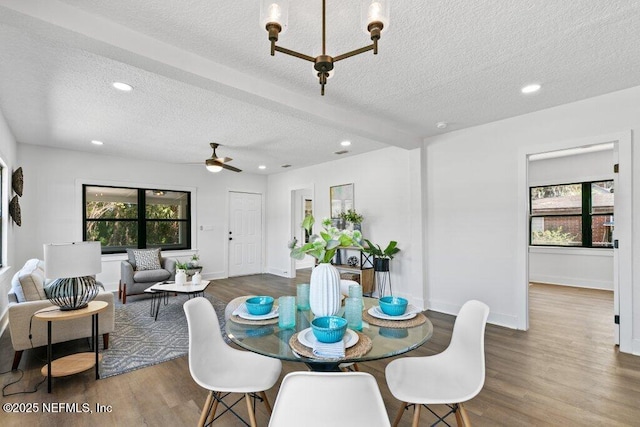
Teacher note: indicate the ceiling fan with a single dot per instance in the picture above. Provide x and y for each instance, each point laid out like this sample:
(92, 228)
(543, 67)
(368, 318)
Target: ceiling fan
(216, 164)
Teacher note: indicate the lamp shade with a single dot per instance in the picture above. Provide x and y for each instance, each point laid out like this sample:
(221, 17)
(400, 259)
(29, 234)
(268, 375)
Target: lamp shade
(375, 11)
(77, 259)
(274, 12)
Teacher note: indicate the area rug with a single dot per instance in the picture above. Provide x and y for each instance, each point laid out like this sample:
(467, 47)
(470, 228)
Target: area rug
(138, 341)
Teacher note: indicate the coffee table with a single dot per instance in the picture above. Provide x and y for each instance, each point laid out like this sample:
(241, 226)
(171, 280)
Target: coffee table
(161, 290)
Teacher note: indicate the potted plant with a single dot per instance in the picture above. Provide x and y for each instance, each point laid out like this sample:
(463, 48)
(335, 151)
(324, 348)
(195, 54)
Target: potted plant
(195, 260)
(381, 257)
(324, 292)
(181, 272)
(352, 218)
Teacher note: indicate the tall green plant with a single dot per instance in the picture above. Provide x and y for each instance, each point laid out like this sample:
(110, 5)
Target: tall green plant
(388, 252)
(323, 246)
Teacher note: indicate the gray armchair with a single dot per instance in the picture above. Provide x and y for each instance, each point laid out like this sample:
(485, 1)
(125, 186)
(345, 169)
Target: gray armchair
(134, 282)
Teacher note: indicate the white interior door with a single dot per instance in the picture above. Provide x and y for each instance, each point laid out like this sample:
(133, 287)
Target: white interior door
(245, 234)
(616, 257)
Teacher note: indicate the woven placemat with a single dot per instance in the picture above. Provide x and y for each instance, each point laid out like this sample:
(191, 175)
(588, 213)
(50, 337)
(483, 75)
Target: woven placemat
(410, 323)
(237, 319)
(362, 347)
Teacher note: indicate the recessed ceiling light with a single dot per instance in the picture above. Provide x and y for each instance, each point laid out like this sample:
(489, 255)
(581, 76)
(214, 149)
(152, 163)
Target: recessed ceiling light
(123, 86)
(345, 143)
(441, 125)
(262, 167)
(96, 142)
(532, 88)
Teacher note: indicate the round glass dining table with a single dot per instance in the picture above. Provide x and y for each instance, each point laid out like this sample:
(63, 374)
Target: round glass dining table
(270, 340)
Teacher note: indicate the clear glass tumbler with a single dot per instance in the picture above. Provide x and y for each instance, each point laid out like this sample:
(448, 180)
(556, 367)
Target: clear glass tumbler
(287, 312)
(355, 291)
(302, 297)
(353, 313)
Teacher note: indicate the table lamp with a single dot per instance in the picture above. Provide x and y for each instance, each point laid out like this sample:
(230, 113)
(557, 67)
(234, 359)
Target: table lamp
(72, 266)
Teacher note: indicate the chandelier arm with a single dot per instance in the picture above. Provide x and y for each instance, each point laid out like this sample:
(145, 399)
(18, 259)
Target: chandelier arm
(294, 53)
(354, 53)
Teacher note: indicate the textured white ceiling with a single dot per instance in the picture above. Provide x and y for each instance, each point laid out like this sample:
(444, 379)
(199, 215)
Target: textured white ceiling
(202, 72)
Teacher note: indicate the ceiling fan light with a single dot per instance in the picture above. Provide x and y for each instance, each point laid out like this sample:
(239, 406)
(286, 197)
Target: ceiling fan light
(375, 11)
(214, 168)
(274, 12)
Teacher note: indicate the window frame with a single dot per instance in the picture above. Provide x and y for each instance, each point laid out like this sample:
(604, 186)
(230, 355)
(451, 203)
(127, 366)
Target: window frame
(585, 214)
(141, 219)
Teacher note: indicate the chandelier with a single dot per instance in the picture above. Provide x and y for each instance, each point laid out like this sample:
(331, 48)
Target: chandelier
(274, 15)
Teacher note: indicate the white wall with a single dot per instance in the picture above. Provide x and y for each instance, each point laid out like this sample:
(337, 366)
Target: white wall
(583, 267)
(52, 201)
(8, 156)
(473, 201)
(387, 187)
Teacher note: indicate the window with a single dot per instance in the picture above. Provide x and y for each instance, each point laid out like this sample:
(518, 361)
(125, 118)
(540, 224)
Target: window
(572, 215)
(122, 218)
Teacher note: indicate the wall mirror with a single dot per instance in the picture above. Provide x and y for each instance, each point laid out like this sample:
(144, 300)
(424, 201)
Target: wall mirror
(341, 200)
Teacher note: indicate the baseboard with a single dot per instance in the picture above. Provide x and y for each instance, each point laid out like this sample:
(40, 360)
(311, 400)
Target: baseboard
(278, 272)
(635, 347)
(215, 275)
(573, 282)
(499, 319)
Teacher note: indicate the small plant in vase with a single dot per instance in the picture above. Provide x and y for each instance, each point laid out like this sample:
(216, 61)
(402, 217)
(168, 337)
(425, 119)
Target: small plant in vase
(324, 293)
(181, 272)
(195, 260)
(381, 260)
(352, 220)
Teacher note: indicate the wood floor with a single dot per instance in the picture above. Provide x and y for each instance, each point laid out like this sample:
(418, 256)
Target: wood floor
(563, 371)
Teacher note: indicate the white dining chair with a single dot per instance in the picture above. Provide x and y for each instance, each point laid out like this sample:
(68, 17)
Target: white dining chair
(344, 286)
(222, 369)
(322, 399)
(449, 378)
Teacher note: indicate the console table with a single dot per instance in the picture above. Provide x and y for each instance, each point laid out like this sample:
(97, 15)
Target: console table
(364, 269)
(78, 362)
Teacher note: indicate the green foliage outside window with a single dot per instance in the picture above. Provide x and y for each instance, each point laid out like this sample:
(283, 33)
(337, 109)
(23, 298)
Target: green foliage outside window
(116, 224)
(553, 237)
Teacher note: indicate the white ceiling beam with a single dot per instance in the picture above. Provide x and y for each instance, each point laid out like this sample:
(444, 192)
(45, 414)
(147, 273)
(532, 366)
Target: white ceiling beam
(106, 38)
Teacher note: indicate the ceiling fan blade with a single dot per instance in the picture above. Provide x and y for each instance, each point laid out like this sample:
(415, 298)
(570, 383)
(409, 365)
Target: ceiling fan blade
(222, 159)
(231, 168)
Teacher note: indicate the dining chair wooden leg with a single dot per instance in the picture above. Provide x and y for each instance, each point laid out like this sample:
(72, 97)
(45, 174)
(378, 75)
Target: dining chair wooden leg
(465, 415)
(403, 405)
(266, 401)
(212, 413)
(205, 409)
(252, 416)
(458, 413)
(416, 415)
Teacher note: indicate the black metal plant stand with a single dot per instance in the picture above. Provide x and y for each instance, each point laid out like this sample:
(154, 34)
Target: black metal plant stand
(383, 277)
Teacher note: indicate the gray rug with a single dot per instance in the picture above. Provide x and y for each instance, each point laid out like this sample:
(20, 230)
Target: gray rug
(138, 341)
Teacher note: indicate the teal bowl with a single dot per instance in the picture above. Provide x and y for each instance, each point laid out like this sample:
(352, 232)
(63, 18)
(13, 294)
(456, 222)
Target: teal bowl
(329, 329)
(393, 306)
(258, 306)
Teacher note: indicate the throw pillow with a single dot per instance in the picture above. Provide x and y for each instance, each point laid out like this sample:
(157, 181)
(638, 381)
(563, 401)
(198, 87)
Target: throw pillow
(28, 283)
(147, 259)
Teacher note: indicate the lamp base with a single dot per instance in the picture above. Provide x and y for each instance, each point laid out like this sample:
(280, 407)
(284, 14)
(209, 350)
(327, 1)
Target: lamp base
(72, 293)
